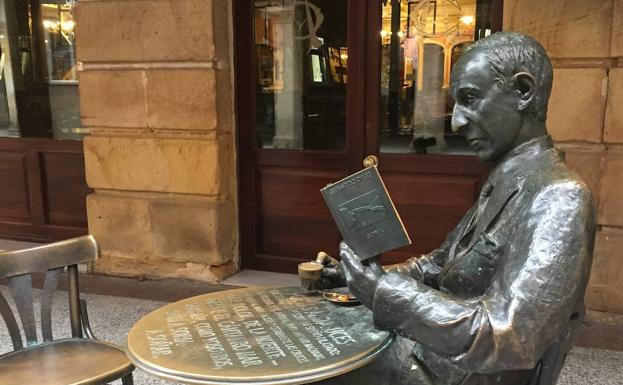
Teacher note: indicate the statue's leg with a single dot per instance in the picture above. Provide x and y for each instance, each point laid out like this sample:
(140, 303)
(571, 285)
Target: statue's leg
(395, 366)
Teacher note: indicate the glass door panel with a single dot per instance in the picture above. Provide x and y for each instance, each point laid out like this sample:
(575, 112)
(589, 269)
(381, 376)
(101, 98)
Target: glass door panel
(9, 72)
(420, 42)
(58, 27)
(301, 74)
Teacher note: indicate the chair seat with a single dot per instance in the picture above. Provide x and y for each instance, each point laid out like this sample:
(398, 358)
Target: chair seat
(74, 361)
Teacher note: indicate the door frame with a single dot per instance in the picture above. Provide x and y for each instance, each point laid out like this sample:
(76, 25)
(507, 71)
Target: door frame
(363, 100)
(249, 154)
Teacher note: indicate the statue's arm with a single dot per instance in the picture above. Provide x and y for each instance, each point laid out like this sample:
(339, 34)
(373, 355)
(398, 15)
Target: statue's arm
(533, 296)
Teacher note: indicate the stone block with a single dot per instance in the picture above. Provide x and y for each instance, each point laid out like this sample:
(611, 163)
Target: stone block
(112, 99)
(605, 288)
(617, 30)
(577, 105)
(187, 166)
(586, 161)
(158, 99)
(611, 190)
(613, 130)
(567, 28)
(163, 236)
(181, 99)
(144, 30)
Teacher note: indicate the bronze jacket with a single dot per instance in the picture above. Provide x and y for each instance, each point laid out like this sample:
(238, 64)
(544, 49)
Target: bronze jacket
(498, 296)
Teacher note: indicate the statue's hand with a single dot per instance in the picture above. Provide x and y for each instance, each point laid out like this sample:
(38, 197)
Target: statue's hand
(361, 280)
(332, 275)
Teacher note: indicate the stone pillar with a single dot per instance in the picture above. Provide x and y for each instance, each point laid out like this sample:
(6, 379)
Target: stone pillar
(585, 40)
(156, 92)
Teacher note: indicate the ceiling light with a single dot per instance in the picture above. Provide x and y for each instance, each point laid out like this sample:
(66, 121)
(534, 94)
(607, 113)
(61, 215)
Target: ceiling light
(467, 19)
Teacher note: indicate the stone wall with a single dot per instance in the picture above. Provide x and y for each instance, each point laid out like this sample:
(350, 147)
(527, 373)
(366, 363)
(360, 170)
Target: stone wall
(585, 41)
(156, 92)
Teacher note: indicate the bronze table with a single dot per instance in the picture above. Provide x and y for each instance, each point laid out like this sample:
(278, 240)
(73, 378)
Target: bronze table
(255, 336)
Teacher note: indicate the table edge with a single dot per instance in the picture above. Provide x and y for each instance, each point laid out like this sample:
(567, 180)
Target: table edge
(281, 381)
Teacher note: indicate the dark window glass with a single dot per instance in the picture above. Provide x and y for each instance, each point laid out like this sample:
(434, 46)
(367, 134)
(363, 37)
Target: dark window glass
(301, 70)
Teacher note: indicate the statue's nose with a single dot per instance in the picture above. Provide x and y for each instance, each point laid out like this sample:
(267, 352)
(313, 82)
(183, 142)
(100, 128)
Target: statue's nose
(459, 121)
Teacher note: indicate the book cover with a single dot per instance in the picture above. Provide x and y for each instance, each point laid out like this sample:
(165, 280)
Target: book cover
(365, 214)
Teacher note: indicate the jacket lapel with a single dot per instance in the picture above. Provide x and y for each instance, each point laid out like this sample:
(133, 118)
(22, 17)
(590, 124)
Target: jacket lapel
(500, 196)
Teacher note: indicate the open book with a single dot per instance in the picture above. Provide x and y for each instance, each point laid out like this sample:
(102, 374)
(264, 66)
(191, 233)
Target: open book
(365, 214)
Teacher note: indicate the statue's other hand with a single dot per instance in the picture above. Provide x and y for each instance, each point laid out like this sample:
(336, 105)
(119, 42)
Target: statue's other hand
(332, 275)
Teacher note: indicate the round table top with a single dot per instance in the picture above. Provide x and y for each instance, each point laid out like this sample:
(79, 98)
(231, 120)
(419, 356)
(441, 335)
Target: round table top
(255, 336)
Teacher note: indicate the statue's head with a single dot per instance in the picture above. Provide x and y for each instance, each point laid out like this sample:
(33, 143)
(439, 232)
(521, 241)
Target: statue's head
(501, 86)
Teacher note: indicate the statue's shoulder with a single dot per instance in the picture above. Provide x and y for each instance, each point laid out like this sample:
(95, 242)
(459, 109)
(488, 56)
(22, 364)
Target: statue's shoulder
(552, 176)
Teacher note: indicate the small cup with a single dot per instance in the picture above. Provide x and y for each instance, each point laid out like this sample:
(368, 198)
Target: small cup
(310, 273)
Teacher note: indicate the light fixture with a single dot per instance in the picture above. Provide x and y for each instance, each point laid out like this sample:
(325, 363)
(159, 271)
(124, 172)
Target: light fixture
(50, 25)
(68, 26)
(384, 33)
(467, 19)
(401, 34)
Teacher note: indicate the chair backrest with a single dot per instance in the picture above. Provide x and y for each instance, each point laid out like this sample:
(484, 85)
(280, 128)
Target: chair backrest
(17, 266)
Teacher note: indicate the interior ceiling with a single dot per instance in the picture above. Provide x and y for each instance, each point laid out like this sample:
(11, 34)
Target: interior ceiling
(468, 7)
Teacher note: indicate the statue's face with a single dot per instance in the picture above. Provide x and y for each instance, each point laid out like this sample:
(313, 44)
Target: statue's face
(486, 113)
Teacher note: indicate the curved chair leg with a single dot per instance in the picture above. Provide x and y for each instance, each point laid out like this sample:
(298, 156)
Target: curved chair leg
(127, 380)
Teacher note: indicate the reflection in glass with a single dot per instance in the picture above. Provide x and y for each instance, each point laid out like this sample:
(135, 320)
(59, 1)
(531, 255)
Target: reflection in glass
(421, 40)
(301, 71)
(57, 19)
(59, 36)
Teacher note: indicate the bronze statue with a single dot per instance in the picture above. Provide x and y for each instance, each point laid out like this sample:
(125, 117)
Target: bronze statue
(499, 302)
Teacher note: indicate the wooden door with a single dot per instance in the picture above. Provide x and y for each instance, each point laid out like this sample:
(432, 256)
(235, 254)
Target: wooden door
(300, 130)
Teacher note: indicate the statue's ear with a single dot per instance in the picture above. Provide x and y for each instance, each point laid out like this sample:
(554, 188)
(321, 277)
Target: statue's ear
(525, 85)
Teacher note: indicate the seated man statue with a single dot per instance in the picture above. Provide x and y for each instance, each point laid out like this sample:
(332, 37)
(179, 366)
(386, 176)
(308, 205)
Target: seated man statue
(500, 300)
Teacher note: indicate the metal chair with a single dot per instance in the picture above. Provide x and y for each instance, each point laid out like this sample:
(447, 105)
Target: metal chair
(76, 360)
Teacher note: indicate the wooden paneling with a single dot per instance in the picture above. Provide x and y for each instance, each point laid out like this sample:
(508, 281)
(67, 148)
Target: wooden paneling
(64, 188)
(430, 206)
(292, 215)
(43, 189)
(14, 191)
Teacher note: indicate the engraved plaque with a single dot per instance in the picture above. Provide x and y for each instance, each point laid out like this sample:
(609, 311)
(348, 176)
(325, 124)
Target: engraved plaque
(255, 336)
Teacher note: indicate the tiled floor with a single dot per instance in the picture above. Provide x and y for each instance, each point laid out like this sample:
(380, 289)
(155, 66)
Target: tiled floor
(7, 244)
(262, 278)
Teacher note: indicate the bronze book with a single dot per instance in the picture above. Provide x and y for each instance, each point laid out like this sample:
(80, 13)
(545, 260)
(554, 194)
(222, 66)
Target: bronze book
(365, 214)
